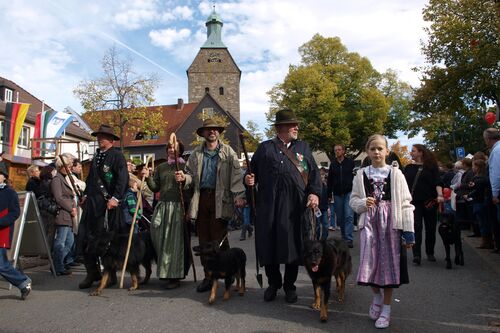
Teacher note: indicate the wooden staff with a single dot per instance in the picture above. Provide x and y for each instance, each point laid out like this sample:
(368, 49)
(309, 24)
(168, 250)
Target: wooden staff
(187, 231)
(258, 276)
(131, 233)
(71, 180)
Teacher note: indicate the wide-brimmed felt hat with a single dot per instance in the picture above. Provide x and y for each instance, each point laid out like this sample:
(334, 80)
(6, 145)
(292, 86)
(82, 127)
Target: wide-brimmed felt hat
(107, 130)
(286, 116)
(210, 123)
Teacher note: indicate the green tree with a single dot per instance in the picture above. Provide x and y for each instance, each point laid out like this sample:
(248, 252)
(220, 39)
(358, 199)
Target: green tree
(399, 95)
(460, 81)
(338, 95)
(129, 93)
(252, 136)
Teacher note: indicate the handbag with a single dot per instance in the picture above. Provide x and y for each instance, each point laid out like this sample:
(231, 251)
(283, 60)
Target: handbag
(48, 204)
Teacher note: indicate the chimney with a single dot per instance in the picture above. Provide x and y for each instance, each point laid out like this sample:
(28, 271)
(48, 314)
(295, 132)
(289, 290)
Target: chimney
(180, 104)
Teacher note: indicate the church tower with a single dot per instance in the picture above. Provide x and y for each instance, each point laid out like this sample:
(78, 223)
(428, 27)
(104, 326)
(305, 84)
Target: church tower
(214, 71)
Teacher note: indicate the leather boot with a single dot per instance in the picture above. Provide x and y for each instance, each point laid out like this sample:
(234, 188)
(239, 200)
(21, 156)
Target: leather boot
(486, 243)
(93, 275)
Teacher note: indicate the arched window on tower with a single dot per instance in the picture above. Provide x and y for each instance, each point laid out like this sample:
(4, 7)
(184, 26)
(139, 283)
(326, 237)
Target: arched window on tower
(221, 91)
(207, 90)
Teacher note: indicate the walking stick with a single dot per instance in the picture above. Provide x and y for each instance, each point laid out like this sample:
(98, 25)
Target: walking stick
(187, 231)
(131, 233)
(258, 276)
(71, 180)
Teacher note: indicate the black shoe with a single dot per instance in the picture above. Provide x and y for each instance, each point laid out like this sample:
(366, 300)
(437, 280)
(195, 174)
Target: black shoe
(495, 251)
(25, 291)
(350, 244)
(431, 258)
(205, 285)
(290, 296)
(270, 293)
(172, 284)
(416, 260)
(73, 264)
(65, 272)
(473, 235)
(242, 238)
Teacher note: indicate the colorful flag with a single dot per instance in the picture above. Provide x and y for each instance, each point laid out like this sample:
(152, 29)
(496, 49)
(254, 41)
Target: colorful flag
(15, 114)
(56, 124)
(50, 124)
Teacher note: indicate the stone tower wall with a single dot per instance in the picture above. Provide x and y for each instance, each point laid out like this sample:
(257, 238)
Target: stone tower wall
(213, 69)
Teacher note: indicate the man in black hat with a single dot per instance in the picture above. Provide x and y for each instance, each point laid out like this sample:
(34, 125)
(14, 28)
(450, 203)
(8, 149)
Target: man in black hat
(214, 172)
(106, 185)
(289, 184)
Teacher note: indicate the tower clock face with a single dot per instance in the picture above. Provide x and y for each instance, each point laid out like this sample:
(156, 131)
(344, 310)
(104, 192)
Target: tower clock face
(214, 57)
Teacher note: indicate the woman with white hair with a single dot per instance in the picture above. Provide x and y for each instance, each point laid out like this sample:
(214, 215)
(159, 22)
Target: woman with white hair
(63, 194)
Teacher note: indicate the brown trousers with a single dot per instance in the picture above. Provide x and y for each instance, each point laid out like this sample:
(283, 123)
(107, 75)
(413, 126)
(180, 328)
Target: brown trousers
(207, 226)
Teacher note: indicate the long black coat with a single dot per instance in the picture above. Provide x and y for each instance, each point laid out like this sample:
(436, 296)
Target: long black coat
(114, 175)
(281, 201)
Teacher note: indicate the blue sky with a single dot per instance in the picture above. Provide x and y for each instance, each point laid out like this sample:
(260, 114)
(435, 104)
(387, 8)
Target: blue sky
(49, 46)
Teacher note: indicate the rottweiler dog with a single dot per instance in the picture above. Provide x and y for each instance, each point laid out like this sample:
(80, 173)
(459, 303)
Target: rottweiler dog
(149, 255)
(223, 264)
(322, 260)
(112, 248)
(450, 234)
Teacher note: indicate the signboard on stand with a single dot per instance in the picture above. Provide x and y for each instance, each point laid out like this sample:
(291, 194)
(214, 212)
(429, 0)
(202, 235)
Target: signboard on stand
(29, 236)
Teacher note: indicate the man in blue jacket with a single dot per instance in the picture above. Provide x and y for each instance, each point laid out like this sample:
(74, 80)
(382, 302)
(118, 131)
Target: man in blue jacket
(9, 212)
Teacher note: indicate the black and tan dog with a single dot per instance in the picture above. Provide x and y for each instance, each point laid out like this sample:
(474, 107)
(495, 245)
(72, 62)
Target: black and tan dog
(112, 249)
(223, 264)
(450, 234)
(322, 260)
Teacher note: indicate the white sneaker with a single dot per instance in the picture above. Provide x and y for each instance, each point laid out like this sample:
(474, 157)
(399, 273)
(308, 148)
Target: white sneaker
(375, 310)
(383, 321)
(355, 228)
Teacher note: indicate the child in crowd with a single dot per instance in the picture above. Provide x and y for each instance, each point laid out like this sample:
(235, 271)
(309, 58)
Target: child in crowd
(131, 203)
(382, 199)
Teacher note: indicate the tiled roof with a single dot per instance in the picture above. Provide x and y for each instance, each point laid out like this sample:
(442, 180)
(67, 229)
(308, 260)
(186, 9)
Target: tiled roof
(173, 117)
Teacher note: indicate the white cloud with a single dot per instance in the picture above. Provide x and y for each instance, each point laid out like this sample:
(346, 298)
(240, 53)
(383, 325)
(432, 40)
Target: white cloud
(136, 14)
(168, 37)
(133, 14)
(263, 36)
(183, 12)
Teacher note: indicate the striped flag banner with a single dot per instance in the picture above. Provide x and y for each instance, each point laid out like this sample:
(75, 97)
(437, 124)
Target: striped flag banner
(50, 124)
(15, 114)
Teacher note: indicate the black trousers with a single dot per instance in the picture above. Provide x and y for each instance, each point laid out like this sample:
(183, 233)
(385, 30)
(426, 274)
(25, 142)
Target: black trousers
(427, 217)
(274, 276)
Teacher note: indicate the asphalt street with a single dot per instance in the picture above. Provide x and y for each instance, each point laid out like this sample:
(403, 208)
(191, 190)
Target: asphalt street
(463, 299)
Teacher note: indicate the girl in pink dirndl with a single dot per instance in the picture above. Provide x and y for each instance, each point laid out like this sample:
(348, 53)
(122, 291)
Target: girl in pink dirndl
(382, 199)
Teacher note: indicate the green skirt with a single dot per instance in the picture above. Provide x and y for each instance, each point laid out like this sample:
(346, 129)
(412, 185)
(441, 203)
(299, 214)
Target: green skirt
(168, 239)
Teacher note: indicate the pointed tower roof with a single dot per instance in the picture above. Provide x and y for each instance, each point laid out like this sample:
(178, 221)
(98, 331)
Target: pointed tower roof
(214, 27)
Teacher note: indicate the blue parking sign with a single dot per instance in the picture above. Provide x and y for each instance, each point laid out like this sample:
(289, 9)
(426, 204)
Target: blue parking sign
(460, 152)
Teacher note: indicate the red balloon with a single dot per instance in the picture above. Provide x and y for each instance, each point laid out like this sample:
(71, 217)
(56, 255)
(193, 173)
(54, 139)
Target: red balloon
(490, 117)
